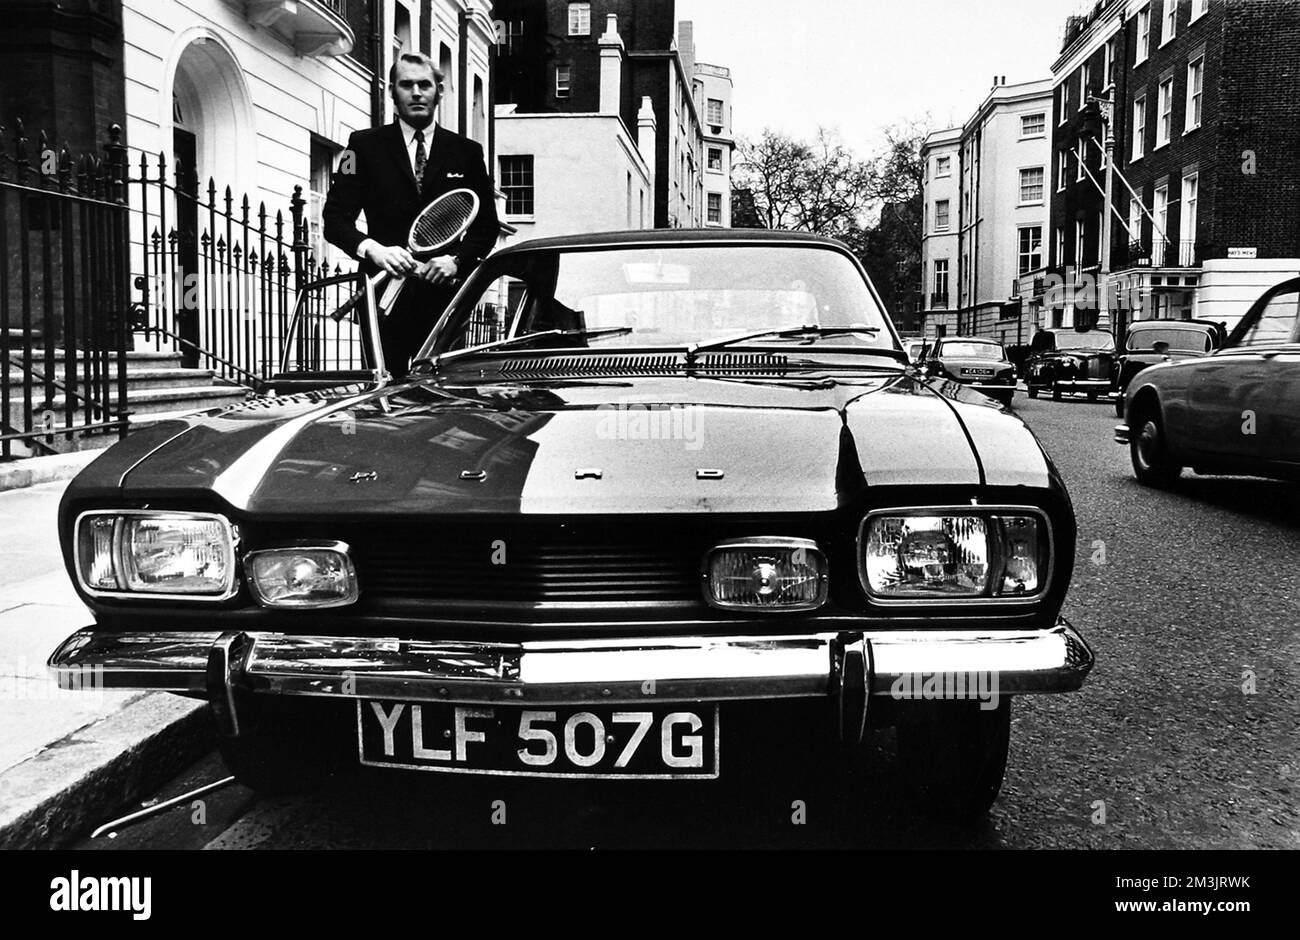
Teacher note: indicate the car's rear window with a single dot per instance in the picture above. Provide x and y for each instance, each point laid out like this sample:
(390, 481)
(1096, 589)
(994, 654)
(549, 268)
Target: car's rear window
(971, 351)
(1179, 340)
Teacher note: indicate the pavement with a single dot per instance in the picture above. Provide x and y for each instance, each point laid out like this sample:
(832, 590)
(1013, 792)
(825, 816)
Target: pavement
(69, 760)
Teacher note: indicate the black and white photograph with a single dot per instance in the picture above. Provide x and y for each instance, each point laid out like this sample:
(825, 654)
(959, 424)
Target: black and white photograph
(677, 425)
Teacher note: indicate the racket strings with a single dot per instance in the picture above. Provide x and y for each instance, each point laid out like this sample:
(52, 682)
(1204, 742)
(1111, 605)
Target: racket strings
(442, 221)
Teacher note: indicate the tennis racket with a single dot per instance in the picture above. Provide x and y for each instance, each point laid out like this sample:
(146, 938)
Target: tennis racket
(439, 224)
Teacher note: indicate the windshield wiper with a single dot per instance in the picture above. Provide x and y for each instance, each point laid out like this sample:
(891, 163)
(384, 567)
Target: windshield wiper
(513, 340)
(808, 329)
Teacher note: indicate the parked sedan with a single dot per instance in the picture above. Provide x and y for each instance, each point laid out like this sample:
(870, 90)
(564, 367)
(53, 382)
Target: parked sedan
(683, 479)
(1153, 341)
(981, 364)
(1236, 410)
(1070, 361)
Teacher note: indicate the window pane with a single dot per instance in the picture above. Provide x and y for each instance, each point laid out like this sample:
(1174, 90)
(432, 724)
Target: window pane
(517, 184)
(579, 19)
(1276, 321)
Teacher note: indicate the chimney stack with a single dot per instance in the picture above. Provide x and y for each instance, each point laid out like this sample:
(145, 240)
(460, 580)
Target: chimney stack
(611, 68)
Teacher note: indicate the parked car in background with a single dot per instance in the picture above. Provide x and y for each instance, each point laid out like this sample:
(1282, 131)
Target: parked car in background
(914, 349)
(646, 497)
(1066, 361)
(979, 363)
(1152, 341)
(1236, 410)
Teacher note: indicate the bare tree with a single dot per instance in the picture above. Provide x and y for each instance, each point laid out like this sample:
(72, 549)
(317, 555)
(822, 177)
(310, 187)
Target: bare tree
(817, 186)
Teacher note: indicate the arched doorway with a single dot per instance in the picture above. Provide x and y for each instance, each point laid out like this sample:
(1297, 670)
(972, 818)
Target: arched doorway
(211, 141)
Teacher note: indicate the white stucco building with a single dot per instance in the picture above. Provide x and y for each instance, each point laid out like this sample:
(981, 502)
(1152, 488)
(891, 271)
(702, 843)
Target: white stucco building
(713, 102)
(941, 192)
(999, 211)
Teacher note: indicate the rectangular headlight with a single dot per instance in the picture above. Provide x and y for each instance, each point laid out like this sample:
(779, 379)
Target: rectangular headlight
(957, 554)
(302, 576)
(767, 573)
(137, 552)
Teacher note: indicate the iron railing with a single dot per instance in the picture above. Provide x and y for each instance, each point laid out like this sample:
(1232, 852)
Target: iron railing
(64, 292)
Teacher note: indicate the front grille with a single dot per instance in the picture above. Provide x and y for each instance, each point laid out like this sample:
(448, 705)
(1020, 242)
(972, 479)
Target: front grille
(487, 564)
(711, 363)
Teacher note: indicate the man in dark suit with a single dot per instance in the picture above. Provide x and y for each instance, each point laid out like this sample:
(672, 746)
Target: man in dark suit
(393, 172)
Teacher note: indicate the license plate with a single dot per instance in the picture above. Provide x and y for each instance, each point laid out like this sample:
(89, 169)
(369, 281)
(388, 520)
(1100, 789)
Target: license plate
(976, 371)
(663, 742)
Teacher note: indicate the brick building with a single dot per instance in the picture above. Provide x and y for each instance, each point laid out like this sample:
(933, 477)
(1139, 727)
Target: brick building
(1206, 124)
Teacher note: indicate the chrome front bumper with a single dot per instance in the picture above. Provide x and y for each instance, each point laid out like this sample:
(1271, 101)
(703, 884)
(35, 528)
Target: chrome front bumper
(696, 668)
(1122, 434)
(1086, 384)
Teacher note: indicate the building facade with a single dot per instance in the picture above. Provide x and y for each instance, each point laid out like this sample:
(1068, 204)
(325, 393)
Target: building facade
(941, 193)
(614, 85)
(995, 201)
(1204, 105)
(713, 102)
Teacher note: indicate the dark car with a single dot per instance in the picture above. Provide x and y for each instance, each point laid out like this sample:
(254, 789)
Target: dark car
(1065, 361)
(1235, 410)
(1153, 341)
(981, 364)
(653, 505)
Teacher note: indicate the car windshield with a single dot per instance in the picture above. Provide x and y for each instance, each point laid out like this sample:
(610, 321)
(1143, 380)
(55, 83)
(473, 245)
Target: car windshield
(1178, 340)
(970, 351)
(664, 295)
(1093, 339)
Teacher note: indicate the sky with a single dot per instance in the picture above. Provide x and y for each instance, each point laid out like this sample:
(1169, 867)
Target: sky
(861, 65)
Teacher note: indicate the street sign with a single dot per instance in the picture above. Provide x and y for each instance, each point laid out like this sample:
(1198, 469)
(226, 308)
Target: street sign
(1242, 252)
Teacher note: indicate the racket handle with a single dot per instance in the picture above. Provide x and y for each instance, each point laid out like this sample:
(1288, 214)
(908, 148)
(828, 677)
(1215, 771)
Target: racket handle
(391, 293)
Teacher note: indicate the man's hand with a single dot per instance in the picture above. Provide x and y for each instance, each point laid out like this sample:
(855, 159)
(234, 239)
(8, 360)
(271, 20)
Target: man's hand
(392, 259)
(440, 270)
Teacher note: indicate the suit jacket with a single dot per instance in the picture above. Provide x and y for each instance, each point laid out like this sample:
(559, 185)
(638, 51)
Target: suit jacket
(382, 185)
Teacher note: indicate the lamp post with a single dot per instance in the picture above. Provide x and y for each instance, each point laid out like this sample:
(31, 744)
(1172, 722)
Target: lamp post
(1104, 109)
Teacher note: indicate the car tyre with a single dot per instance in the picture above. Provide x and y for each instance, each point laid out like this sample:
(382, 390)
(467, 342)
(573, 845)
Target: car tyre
(1032, 391)
(286, 747)
(953, 757)
(1056, 392)
(1148, 449)
(1119, 404)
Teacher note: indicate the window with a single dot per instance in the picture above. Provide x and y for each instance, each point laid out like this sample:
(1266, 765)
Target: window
(1134, 221)
(1160, 210)
(943, 166)
(1030, 253)
(563, 78)
(715, 159)
(1171, 21)
(713, 111)
(715, 208)
(1276, 320)
(579, 19)
(517, 183)
(1195, 81)
(1108, 64)
(1165, 127)
(1062, 168)
(1143, 35)
(941, 215)
(1199, 9)
(941, 280)
(1063, 104)
(1033, 125)
(1060, 245)
(1031, 184)
(1085, 79)
(512, 33)
(1191, 189)
(323, 153)
(1139, 127)
(1080, 158)
(1078, 242)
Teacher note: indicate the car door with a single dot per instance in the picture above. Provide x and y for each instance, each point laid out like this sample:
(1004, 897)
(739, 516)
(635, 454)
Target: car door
(1243, 399)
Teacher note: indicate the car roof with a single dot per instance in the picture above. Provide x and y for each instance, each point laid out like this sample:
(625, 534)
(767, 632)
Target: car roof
(1166, 323)
(968, 339)
(675, 236)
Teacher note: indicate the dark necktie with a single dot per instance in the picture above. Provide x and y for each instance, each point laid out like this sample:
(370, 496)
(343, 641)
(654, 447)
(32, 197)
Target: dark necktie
(420, 157)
